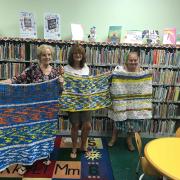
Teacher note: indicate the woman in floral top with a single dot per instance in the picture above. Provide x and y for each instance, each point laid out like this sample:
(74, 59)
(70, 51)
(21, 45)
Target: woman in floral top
(37, 73)
(40, 72)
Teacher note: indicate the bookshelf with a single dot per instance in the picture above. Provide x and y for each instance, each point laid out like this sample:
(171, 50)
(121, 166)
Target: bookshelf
(18, 53)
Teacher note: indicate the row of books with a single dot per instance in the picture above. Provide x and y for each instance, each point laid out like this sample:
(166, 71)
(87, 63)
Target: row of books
(105, 125)
(14, 51)
(160, 127)
(163, 110)
(166, 76)
(95, 55)
(166, 94)
(111, 56)
(8, 70)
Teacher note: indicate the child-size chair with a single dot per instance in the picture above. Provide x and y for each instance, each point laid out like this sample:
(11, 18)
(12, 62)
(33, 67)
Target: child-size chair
(146, 167)
(178, 132)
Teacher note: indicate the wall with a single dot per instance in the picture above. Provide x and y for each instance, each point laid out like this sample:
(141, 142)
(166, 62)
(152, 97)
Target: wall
(131, 14)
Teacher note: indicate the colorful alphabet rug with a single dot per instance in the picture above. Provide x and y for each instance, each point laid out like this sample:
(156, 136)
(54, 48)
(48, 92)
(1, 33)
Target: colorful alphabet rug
(92, 166)
(28, 122)
(82, 93)
(131, 96)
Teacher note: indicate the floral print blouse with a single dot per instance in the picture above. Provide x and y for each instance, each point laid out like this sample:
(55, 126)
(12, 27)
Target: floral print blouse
(33, 74)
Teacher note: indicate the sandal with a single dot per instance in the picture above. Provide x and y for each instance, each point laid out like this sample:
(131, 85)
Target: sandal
(111, 143)
(47, 162)
(130, 145)
(73, 154)
(22, 170)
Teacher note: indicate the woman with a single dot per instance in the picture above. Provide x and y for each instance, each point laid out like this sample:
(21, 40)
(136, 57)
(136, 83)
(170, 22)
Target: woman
(131, 65)
(36, 73)
(40, 72)
(77, 66)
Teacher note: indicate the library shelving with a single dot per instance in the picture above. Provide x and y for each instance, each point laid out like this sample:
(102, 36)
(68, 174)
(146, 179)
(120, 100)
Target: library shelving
(164, 60)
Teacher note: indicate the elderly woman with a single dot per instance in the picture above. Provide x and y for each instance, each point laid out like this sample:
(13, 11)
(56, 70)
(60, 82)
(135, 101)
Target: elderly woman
(42, 71)
(128, 126)
(36, 73)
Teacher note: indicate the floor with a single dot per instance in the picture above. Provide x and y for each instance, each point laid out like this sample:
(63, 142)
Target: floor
(124, 162)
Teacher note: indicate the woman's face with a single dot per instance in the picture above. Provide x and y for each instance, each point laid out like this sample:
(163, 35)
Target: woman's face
(132, 62)
(77, 57)
(46, 57)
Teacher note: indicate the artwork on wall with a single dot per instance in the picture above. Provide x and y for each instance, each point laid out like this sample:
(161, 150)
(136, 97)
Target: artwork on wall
(52, 26)
(28, 27)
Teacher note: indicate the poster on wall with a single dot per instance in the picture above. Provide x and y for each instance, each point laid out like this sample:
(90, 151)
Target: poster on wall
(52, 26)
(28, 27)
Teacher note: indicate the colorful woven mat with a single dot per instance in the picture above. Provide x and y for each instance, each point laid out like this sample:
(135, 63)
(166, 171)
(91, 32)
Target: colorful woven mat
(28, 122)
(131, 96)
(82, 93)
(96, 165)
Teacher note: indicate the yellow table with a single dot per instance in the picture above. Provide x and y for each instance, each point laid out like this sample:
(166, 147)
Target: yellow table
(164, 155)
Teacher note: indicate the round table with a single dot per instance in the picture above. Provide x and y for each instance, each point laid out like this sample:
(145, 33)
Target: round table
(164, 155)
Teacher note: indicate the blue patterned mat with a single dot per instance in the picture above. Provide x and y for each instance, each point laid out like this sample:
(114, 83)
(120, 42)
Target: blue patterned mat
(28, 122)
(82, 93)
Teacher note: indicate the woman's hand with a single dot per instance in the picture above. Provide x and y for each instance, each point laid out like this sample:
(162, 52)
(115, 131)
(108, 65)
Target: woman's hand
(61, 79)
(61, 70)
(7, 81)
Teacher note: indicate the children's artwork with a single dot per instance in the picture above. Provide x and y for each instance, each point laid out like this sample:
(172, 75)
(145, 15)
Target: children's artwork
(150, 37)
(92, 35)
(178, 38)
(169, 36)
(133, 37)
(77, 32)
(114, 35)
(52, 26)
(28, 27)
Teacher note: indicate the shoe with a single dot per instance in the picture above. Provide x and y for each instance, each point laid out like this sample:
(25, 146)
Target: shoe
(22, 170)
(130, 145)
(111, 143)
(47, 162)
(73, 154)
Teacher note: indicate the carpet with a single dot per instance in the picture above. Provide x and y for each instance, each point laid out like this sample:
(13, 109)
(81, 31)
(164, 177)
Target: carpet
(96, 165)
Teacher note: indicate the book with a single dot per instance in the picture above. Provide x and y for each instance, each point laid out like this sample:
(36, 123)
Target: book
(77, 32)
(150, 37)
(169, 36)
(28, 27)
(114, 34)
(133, 37)
(52, 26)
(178, 38)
